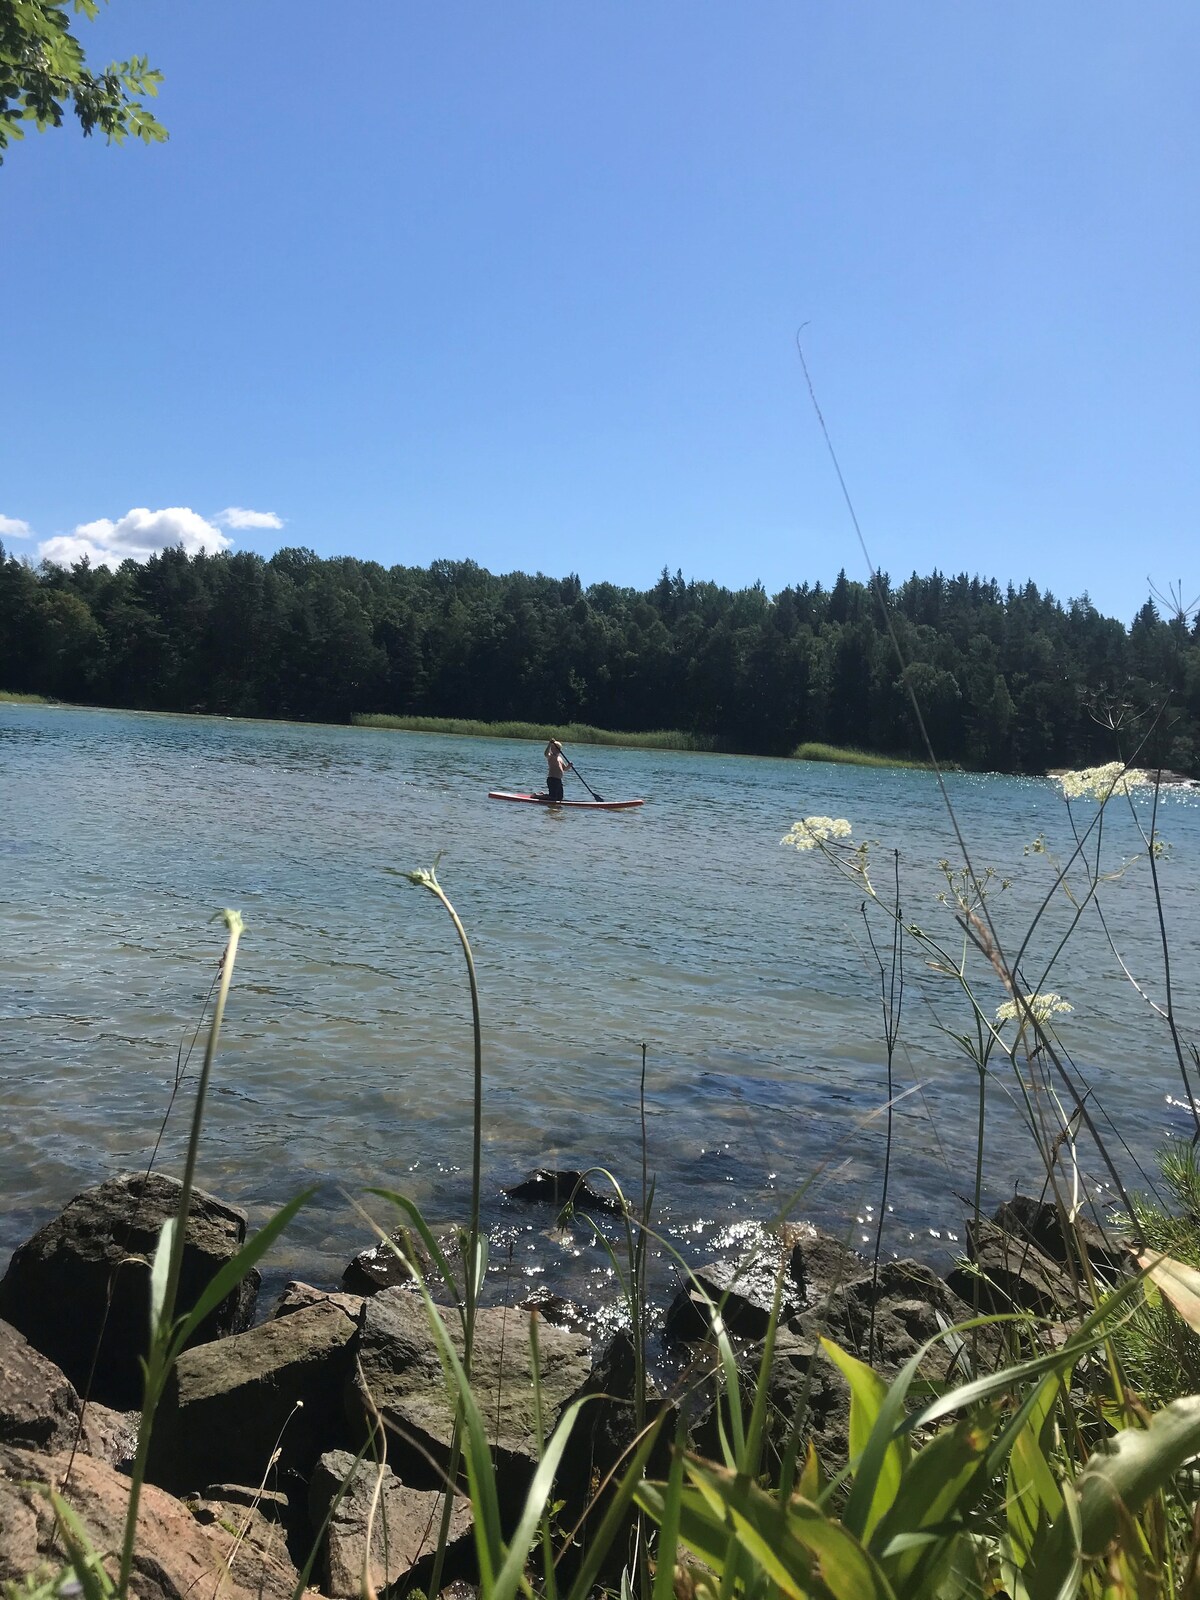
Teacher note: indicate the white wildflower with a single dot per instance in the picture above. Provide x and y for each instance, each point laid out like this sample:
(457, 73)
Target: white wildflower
(1098, 783)
(811, 831)
(1041, 1007)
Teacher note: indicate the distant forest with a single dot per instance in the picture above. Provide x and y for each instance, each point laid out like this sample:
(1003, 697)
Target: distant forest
(1007, 679)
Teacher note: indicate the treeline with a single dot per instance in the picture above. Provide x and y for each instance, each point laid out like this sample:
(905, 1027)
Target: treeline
(1009, 680)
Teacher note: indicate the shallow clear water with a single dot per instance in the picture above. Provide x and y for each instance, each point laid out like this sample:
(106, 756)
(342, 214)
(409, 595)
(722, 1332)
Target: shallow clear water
(346, 1056)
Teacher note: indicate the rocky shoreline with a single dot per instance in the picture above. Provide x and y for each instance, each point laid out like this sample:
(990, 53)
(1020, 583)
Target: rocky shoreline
(265, 1463)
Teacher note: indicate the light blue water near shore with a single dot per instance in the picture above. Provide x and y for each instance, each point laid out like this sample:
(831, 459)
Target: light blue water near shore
(346, 1058)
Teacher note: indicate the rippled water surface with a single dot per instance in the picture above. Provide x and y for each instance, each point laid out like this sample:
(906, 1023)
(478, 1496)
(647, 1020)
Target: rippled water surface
(346, 1059)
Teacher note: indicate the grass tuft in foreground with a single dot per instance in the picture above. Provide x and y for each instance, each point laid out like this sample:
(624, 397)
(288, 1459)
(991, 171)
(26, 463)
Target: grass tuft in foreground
(570, 732)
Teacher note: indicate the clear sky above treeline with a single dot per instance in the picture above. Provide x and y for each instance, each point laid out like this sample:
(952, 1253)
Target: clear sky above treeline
(521, 283)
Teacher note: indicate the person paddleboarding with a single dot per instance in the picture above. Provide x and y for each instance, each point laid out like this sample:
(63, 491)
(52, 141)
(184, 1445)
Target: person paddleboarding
(556, 765)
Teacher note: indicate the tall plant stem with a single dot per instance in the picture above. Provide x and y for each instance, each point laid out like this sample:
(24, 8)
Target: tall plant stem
(157, 1365)
(428, 879)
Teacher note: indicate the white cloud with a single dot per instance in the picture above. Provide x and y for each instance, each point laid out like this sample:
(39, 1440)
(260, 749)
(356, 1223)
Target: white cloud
(14, 528)
(239, 517)
(138, 535)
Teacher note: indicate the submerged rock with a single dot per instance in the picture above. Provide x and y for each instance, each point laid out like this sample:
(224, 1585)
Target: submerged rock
(79, 1289)
(548, 1186)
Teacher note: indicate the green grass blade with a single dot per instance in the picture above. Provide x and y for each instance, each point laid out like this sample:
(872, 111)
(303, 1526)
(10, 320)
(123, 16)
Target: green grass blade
(85, 1559)
(614, 1516)
(668, 1516)
(160, 1271)
(797, 1546)
(436, 1253)
(509, 1577)
(878, 1458)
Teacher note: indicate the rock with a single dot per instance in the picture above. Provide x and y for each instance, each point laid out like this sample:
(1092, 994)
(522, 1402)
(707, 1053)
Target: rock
(555, 1309)
(228, 1406)
(819, 1262)
(1013, 1275)
(406, 1523)
(56, 1290)
(604, 1431)
(548, 1186)
(744, 1294)
(175, 1558)
(39, 1408)
(1042, 1222)
(381, 1267)
(298, 1296)
(803, 1393)
(399, 1373)
(110, 1435)
(911, 1306)
(250, 1528)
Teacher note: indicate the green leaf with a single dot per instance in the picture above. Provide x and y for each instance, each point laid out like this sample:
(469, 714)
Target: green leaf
(937, 1491)
(85, 1559)
(232, 1273)
(160, 1271)
(877, 1458)
(796, 1545)
(1132, 1467)
(1178, 1282)
(668, 1520)
(1034, 1500)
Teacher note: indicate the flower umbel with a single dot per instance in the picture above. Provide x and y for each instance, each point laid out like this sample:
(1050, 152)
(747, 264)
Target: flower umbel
(1041, 1007)
(812, 831)
(1098, 783)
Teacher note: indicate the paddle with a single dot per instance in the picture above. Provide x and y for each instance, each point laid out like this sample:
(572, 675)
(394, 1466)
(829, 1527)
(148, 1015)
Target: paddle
(586, 784)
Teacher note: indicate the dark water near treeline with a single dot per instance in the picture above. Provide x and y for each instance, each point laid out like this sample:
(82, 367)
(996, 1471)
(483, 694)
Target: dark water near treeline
(346, 1057)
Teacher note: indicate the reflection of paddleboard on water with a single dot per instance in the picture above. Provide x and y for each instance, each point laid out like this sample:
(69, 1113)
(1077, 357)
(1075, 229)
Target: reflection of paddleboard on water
(565, 805)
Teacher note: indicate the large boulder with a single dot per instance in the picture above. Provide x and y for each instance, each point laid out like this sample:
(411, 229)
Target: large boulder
(1010, 1273)
(40, 1409)
(79, 1289)
(399, 1375)
(352, 1499)
(1039, 1220)
(229, 1406)
(174, 1557)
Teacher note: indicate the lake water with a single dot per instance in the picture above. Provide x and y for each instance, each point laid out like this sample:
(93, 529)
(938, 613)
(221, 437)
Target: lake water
(346, 1055)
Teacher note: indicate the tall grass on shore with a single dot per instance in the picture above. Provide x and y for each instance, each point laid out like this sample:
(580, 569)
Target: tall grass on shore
(9, 697)
(846, 756)
(570, 732)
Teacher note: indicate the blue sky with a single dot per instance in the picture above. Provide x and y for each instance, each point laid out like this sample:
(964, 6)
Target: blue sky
(521, 283)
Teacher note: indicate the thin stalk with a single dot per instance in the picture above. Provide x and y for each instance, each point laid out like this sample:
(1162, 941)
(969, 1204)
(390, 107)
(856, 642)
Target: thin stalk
(156, 1368)
(427, 879)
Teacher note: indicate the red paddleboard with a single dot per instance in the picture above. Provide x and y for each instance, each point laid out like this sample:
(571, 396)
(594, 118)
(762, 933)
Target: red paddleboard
(566, 805)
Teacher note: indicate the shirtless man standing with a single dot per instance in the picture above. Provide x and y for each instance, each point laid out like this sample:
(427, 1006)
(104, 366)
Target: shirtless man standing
(556, 765)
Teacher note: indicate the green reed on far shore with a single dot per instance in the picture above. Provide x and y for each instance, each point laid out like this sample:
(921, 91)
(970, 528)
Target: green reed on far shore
(7, 697)
(844, 756)
(573, 732)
